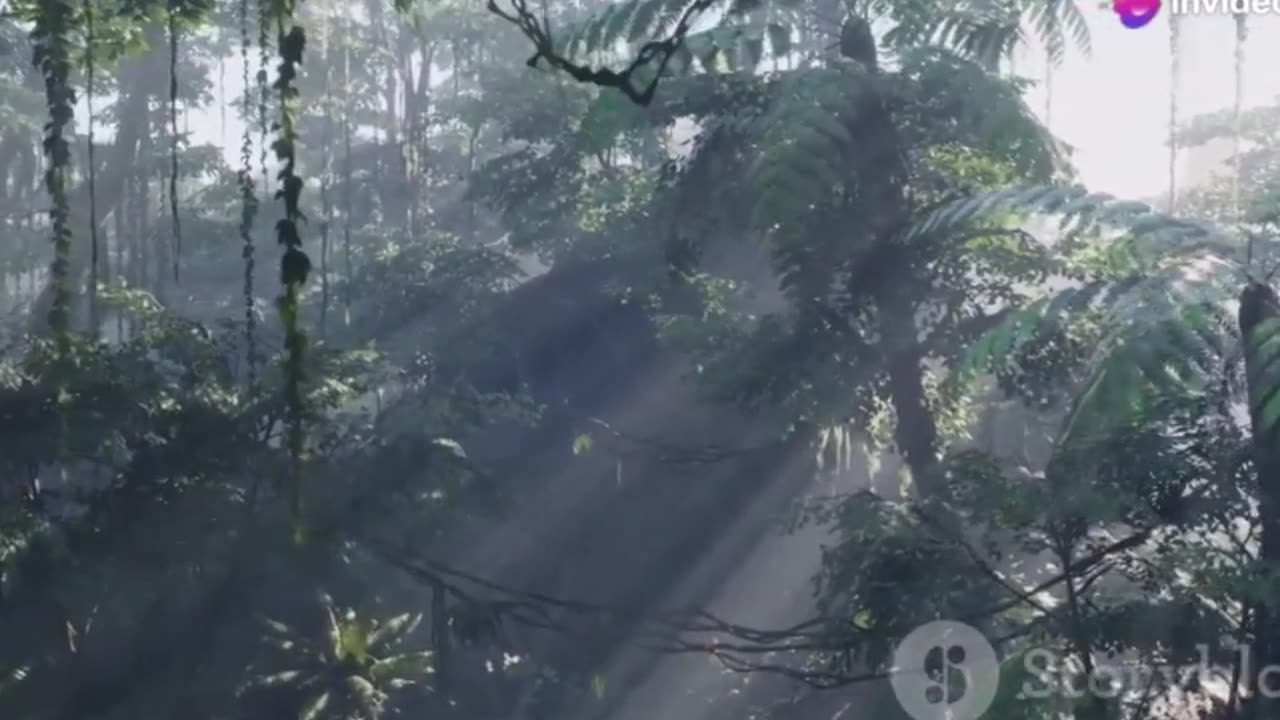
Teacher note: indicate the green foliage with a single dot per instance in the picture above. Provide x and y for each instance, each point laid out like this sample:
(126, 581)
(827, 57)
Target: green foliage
(988, 30)
(148, 472)
(748, 32)
(806, 145)
(349, 672)
(151, 473)
(987, 111)
(52, 53)
(1081, 213)
(295, 266)
(633, 21)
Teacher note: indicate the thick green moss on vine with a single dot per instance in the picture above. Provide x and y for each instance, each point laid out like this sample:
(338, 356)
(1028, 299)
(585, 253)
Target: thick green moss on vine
(295, 266)
(51, 36)
(55, 22)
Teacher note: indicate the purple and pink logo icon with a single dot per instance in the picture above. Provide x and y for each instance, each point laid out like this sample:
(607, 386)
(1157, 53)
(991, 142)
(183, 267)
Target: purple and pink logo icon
(1135, 13)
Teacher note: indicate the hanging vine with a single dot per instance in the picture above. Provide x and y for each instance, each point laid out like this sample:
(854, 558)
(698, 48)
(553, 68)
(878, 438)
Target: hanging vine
(173, 139)
(93, 171)
(294, 263)
(222, 100)
(264, 87)
(248, 207)
(51, 39)
(346, 173)
(1242, 36)
(326, 176)
(52, 57)
(1175, 75)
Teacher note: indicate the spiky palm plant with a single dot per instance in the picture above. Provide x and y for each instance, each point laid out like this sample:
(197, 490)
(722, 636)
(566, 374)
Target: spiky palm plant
(350, 672)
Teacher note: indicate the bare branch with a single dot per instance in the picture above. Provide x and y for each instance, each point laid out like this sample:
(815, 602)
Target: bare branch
(678, 454)
(739, 648)
(656, 53)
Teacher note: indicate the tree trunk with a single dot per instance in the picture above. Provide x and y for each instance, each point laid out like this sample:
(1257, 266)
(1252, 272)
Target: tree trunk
(1175, 76)
(885, 184)
(1258, 305)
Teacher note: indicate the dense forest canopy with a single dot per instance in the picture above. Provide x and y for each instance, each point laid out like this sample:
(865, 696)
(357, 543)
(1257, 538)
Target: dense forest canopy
(492, 341)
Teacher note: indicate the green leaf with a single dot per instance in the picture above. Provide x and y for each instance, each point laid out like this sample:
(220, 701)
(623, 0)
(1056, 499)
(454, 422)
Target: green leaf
(315, 706)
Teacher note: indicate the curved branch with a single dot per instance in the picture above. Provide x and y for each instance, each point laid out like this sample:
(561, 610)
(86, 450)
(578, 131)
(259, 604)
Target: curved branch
(654, 53)
(694, 630)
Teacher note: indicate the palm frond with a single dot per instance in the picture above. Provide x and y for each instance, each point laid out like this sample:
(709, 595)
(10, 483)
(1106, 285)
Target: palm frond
(806, 145)
(1259, 321)
(1056, 22)
(982, 110)
(1163, 337)
(988, 30)
(1148, 367)
(998, 346)
(629, 21)
(1149, 234)
(315, 707)
(403, 666)
(394, 630)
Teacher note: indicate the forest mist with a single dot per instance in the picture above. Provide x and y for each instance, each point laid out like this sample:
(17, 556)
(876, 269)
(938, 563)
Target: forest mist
(634, 360)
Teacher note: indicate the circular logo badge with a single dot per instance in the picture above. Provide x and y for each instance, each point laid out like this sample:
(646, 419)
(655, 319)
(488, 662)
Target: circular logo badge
(1136, 13)
(945, 671)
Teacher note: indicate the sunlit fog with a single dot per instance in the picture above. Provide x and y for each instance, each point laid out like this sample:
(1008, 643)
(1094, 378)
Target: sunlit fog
(639, 360)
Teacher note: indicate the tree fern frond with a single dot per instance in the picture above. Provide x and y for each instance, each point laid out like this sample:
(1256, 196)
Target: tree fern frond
(987, 30)
(974, 29)
(1139, 373)
(624, 21)
(998, 346)
(733, 47)
(1056, 22)
(984, 112)
(1151, 233)
(806, 146)
(1163, 337)
(1179, 312)
(985, 40)
(742, 37)
(1259, 320)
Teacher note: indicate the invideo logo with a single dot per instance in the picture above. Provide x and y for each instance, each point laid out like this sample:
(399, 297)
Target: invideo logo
(1136, 13)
